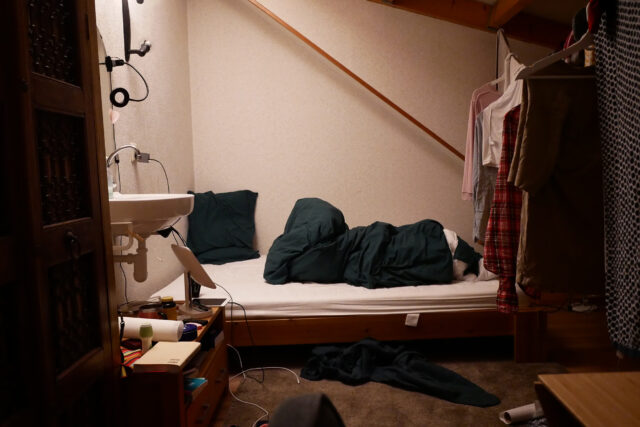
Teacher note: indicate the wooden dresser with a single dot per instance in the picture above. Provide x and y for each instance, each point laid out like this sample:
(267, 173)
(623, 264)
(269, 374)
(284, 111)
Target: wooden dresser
(158, 398)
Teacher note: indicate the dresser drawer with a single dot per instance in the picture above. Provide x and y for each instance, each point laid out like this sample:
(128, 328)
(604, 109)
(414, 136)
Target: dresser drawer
(201, 410)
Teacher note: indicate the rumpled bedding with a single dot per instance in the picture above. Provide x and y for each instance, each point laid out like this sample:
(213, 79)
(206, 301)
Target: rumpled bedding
(318, 246)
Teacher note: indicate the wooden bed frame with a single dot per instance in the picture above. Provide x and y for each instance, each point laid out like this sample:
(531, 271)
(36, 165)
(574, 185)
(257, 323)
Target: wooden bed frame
(527, 327)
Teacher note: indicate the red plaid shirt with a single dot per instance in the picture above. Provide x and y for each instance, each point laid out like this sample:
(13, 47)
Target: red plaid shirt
(503, 230)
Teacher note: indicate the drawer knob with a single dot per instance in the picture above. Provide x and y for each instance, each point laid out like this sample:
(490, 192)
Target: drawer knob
(220, 376)
(205, 408)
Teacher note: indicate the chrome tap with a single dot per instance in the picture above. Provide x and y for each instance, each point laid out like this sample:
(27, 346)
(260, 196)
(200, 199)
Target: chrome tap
(117, 150)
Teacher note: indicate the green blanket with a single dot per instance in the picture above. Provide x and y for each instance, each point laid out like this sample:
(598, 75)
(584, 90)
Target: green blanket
(318, 246)
(371, 360)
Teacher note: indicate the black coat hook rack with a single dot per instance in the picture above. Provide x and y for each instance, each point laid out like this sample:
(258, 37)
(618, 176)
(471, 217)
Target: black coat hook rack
(126, 24)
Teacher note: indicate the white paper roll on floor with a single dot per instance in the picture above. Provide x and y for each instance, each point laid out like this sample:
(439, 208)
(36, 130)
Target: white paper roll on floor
(522, 413)
(163, 330)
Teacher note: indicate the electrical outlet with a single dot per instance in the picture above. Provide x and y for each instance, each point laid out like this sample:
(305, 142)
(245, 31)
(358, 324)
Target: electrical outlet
(143, 157)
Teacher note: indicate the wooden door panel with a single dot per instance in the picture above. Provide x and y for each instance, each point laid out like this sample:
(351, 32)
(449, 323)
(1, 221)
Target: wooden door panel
(74, 323)
(48, 96)
(12, 385)
(52, 31)
(8, 260)
(15, 346)
(5, 136)
(62, 284)
(84, 409)
(61, 242)
(62, 167)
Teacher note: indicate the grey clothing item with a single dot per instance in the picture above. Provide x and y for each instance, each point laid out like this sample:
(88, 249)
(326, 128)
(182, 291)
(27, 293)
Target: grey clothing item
(484, 184)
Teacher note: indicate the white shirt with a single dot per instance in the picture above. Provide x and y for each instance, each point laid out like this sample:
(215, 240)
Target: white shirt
(493, 115)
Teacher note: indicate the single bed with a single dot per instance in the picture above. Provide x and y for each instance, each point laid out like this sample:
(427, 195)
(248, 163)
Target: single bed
(308, 313)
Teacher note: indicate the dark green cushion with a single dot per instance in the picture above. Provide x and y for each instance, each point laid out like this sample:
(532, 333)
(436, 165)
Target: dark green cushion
(224, 255)
(221, 226)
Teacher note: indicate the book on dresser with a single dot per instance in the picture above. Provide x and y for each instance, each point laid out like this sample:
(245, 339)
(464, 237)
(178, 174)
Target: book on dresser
(167, 357)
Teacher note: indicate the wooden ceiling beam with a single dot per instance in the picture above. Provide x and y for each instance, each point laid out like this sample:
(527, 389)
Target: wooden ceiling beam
(469, 13)
(533, 29)
(504, 10)
(474, 14)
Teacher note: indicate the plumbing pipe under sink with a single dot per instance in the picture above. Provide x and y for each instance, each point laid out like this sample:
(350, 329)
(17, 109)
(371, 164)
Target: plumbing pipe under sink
(139, 260)
(138, 216)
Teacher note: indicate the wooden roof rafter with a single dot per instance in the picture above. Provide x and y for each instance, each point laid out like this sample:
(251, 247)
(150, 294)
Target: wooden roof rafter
(504, 14)
(504, 10)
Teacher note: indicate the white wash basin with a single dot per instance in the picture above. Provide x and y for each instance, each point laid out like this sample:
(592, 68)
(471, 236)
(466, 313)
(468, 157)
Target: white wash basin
(149, 212)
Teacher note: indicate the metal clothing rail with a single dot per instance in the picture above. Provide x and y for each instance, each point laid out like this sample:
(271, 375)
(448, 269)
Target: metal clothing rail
(357, 78)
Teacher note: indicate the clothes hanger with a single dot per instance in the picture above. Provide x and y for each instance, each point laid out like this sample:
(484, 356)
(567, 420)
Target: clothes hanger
(501, 36)
(592, 11)
(495, 81)
(583, 43)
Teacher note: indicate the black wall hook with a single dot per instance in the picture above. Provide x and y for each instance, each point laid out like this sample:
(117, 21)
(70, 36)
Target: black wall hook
(126, 24)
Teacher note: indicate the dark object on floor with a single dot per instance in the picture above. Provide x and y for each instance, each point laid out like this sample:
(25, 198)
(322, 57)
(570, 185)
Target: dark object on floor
(308, 410)
(371, 360)
(537, 422)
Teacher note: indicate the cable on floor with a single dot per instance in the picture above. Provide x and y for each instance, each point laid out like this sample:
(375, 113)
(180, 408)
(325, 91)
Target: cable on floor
(266, 413)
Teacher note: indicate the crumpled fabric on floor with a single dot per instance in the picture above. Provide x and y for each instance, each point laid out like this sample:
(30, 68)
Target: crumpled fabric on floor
(371, 360)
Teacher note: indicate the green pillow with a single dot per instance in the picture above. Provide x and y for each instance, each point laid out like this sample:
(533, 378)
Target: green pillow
(224, 255)
(221, 226)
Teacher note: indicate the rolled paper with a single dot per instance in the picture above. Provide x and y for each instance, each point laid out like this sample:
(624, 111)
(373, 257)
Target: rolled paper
(522, 413)
(163, 330)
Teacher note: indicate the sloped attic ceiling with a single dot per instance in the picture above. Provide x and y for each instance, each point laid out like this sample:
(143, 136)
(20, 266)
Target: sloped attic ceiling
(543, 22)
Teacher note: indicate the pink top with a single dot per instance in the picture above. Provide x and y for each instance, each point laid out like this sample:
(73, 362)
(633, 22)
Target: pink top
(480, 99)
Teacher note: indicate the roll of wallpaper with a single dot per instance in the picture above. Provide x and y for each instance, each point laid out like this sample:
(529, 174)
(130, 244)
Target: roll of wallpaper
(521, 413)
(163, 330)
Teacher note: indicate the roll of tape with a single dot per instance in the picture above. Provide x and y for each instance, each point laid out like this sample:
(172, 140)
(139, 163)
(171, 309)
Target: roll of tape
(125, 95)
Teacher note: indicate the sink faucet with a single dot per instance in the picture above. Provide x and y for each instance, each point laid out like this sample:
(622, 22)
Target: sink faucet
(117, 150)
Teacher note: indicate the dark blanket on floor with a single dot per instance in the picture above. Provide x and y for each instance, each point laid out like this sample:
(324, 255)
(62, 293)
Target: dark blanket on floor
(318, 246)
(371, 360)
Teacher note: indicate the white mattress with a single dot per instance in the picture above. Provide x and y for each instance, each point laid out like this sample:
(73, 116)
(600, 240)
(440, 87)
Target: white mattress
(246, 285)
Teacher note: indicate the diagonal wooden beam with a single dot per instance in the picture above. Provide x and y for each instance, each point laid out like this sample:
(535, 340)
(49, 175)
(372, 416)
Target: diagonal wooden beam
(504, 10)
(474, 14)
(355, 77)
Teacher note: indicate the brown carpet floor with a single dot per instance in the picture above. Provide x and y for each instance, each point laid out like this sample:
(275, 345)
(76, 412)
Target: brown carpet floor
(375, 404)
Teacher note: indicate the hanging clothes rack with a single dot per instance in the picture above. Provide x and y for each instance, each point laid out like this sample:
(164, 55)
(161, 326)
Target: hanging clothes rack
(357, 78)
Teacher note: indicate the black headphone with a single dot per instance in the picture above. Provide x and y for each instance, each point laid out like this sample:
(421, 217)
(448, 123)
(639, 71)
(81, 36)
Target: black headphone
(125, 97)
(110, 63)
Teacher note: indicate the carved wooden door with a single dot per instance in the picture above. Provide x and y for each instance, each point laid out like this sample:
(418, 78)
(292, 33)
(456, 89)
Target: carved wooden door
(59, 355)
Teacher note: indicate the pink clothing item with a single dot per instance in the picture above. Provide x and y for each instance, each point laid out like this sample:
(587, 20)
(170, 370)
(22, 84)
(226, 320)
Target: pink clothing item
(480, 99)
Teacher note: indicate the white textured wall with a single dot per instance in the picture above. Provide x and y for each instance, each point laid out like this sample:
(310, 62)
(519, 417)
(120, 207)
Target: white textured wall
(161, 125)
(271, 115)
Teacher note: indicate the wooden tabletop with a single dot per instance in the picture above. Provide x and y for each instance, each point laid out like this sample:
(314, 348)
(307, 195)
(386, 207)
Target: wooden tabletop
(598, 399)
